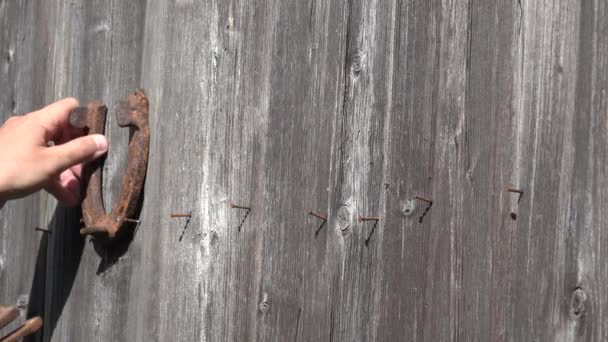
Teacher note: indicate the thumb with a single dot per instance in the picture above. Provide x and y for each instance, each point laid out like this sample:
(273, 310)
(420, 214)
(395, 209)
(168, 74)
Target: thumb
(76, 151)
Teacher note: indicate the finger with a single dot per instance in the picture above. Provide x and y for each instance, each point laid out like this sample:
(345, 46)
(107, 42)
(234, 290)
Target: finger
(66, 134)
(77, 170)
(61, 157)
(55, 117)
(66, 188)
(63, 195)
(69, 180)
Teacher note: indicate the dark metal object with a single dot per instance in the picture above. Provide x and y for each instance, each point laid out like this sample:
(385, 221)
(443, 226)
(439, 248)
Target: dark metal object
(181, 215)
(317, 215)
(248, 210)
(423, 199)
(364, 218)
(188, 218)
(234, 206)
(43, 230)
(374, 219)
(516, 191)
(132, 112)
(426, 211)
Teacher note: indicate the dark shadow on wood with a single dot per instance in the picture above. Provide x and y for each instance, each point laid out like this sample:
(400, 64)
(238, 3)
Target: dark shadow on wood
(184, 229)
(36, 302)
(426, 211)
(319, 229)
(111, 251)
(62, 250)
(244, 219)
(371, 233)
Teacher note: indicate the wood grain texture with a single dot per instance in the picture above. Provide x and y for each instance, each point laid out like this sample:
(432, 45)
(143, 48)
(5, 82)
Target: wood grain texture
(348, 108)
(22, 76)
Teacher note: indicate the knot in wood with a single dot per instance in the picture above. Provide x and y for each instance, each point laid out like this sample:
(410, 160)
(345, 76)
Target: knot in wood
(357, 62)
(578, 302)
(408, 207)
(264, 306)
(344, 218)
(23, 301)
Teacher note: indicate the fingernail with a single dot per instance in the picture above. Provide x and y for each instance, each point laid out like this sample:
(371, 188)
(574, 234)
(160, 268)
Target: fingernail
(101, 141)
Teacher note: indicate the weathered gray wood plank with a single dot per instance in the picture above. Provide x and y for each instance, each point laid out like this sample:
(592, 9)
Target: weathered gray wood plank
(22, 75)
(95, 53)
(263, 90)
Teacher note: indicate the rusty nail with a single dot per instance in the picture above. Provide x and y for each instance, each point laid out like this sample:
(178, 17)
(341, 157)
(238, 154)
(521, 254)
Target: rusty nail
(317, 215)
(517, 191)
(43, 230)
(365, 218)
(234, 206)
(181, 215)
(424, 199)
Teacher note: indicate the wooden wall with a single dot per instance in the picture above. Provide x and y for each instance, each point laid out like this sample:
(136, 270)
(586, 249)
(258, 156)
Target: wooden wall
(349, 108)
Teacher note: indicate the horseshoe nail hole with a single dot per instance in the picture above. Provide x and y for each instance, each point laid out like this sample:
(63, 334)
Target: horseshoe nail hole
(513, 216)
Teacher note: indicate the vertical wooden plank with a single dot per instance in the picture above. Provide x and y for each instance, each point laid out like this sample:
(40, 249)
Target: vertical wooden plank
(94, 53)
(582, 295)
(24, 34)
(297, 268)
(359, 165)
(591, 315)
(546, 77)
(406, 66)
(179, 74)
(263, 86)
(422, 243)
(486, 226)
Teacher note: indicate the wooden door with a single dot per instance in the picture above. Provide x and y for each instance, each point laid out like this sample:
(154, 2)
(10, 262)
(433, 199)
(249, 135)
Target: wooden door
(347, 108)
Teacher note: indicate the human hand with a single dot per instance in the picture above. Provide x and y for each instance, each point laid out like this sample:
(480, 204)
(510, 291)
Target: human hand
(28, 163)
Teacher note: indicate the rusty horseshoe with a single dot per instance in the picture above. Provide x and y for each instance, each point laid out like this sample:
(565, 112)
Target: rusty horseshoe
(132, 112)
